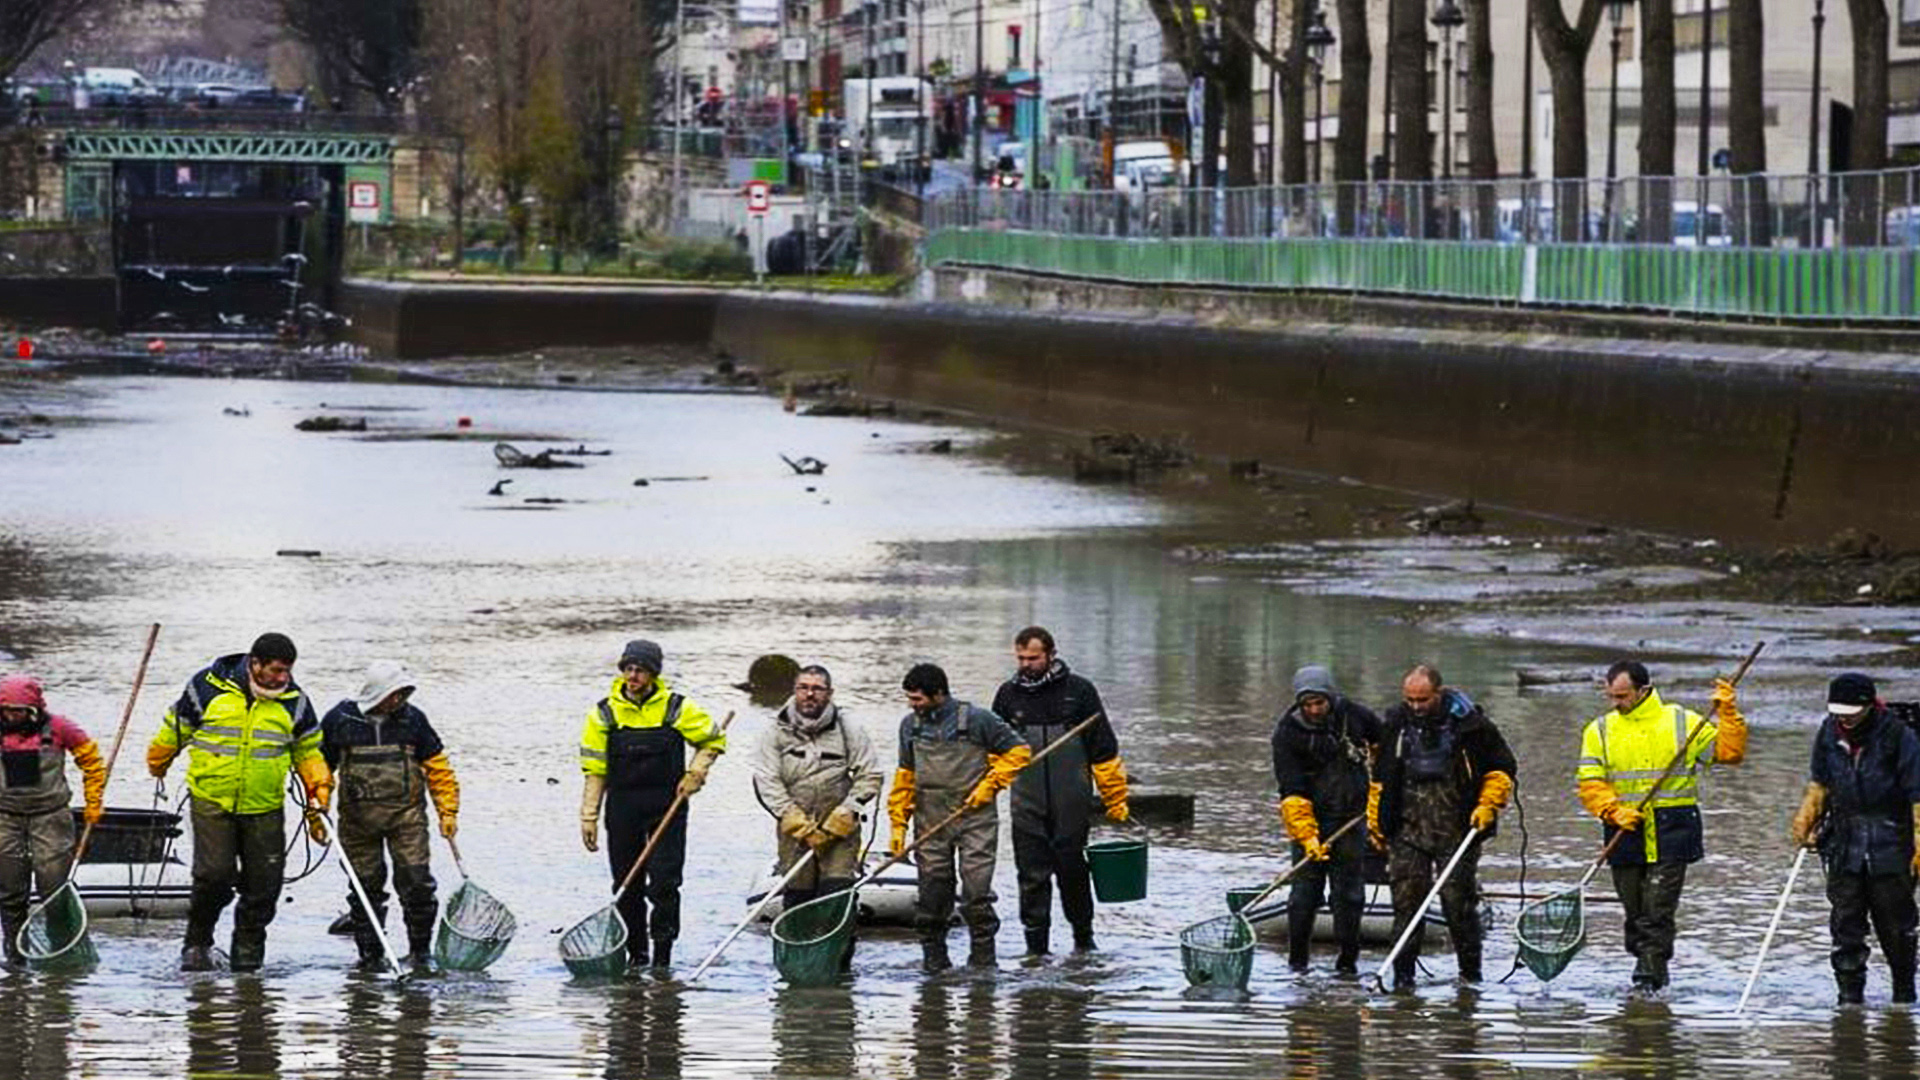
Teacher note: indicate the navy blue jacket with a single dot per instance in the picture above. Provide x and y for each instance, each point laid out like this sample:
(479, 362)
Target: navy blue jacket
(1872, 780)
(345, 726)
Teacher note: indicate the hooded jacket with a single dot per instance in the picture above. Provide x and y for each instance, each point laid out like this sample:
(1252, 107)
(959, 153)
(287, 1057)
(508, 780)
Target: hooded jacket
(1475, 748)
(1872, 777)
(1058, 795)
(34, 780)
(1325, 760)
(817, 771)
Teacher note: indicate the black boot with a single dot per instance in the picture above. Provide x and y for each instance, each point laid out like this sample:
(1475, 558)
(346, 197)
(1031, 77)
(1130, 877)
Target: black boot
(1083, 938)
(249, 950)
(1037, 942)
(372, 956)
(981, 953)
(933, 956)
(662, 953)
(1348, 962)
(1853, 991)
(11, 927)
(196, 958)
(1469, 957)
(1403, 970)
(419, 951)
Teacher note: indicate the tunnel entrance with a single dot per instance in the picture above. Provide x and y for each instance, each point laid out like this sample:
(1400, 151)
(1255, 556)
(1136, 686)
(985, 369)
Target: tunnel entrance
(227, 248)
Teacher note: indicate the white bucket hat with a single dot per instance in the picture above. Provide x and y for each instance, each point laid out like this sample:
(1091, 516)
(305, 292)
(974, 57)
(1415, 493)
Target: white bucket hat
(383, 678)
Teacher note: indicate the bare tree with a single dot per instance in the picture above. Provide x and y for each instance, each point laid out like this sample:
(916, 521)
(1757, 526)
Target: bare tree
(1292, 70)
(1350, 146)
(1657, 120)
(1225, 60)
(1747, 123)
(1564, 47)
(1483, 161)
(370, 47)
(1868, 151)
(26, 25)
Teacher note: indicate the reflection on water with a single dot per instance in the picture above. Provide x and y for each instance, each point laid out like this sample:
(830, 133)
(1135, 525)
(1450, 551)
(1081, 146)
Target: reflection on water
(512, 622)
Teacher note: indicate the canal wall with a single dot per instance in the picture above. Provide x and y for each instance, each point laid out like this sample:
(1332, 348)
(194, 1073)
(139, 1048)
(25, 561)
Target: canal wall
(1752, 442)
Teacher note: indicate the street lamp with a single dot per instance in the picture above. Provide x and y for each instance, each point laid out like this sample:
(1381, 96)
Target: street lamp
(1447, 18)
(1616, 12)
(1319, 40)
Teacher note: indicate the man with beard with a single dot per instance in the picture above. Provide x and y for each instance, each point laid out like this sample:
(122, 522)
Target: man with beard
(1623, 754)
(1323, 747)
(1053, 804)
(952, 755)
(243, 723)
(1862, 810)
(1444, 769)
(813, 772)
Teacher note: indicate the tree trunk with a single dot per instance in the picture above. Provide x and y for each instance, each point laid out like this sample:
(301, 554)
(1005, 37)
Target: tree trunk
(1869, 147)
(1350, 148)
(1236, 94)
(1293, 96)
(1483, 163)
(1564, 47)
(1210, 132)
(1746, 123)
(1412, 103)
(1657, 121)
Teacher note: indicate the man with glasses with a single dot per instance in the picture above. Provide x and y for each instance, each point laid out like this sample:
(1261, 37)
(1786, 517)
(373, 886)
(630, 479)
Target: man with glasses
(814, 772)
(633, 751)
(386, 760)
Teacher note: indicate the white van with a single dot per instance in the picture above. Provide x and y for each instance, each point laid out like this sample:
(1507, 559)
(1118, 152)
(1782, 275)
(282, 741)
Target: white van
(1687, 225)
(1154, 155)
(117, 86)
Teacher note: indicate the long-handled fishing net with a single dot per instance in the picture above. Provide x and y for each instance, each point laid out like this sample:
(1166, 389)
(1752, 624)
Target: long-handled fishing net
(810, 940)
(1551, 931)
(1219, 951)
(474, 927)
(54, 936)
(596, 946)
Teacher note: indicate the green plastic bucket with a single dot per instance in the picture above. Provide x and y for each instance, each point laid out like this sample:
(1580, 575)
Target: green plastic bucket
(1238, 899)
(1119, 869)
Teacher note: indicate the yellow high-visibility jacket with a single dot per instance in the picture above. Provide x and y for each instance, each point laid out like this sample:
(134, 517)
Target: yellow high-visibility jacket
(239, 748)
(1622, 755)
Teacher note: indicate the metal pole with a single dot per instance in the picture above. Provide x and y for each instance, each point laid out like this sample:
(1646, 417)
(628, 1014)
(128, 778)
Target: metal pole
(923, 100)
(1446, 104)
(1526, 113)
(1113, 77)
(1386, 104)
(867, 69)
(1319, 113)
(1039, 106)
(1813, 132)
(1706, 92)
(679, 87)
(979, 80)
(786, 91)
(1613, 128)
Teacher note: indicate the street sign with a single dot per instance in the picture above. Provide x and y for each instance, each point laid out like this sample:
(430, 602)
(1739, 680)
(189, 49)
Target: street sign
(793, 49)
(759, 197)
(363, 201)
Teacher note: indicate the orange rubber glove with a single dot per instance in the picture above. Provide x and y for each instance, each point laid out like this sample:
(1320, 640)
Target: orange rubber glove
(1374, 836)
(93, 780)
(1807, 818)
(1494, 792)
(1730, 745)
(1296, 814)
(1110, 779)
(159, 757)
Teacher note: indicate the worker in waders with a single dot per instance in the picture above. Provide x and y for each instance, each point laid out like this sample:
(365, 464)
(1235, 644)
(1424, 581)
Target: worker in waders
(1443, 769)
(386, 759)
(1862, 811)
(633, 750)
(952, 755)
(1053, 804)
(814, 772)
(36, 828)
(243, 723)
(1623, 753)
(1323, 749)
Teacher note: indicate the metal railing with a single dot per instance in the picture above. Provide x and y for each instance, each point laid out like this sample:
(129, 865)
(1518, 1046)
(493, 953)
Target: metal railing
(1870, 209)
(172, 117)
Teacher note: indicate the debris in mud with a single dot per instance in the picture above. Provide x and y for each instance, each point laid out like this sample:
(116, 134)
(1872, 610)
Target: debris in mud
(940, 446)
(1530, 676)
(241, 411)
(770, 679)
(1244, 470)
(851, 405)
(332, 423)
(298, 553)
(1447, 519)
(806, 466)
(728, 373)
(543, 500)
(512, 457)
(500, 487)
(577, 451)
(1122, 457)
(1168, 809)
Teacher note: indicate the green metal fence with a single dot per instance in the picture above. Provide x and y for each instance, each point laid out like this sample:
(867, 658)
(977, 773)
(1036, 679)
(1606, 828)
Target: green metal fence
(1825, 284)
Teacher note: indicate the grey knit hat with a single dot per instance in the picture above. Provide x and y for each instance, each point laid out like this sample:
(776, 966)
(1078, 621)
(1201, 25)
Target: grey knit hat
(643, 652)
(1313, 679)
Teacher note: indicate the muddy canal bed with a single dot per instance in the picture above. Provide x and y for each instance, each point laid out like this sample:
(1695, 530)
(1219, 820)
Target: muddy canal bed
(152, 503)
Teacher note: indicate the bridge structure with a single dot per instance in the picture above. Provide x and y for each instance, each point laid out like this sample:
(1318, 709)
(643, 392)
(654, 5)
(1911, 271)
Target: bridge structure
(225, 221)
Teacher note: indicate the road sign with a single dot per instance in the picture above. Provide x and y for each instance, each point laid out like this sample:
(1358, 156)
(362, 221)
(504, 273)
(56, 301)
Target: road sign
(759, 197)
(793, 48)
(363, 200)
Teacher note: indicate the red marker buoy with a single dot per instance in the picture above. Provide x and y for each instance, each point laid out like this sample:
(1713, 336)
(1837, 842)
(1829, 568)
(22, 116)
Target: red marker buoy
(157, 345)
(466, 422)
(25, 349)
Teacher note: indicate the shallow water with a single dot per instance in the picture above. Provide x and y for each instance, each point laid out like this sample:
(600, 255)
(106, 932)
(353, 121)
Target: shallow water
(162, 509)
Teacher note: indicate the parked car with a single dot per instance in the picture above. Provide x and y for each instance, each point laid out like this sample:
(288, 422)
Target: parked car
(212, 94)
(117, 86)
